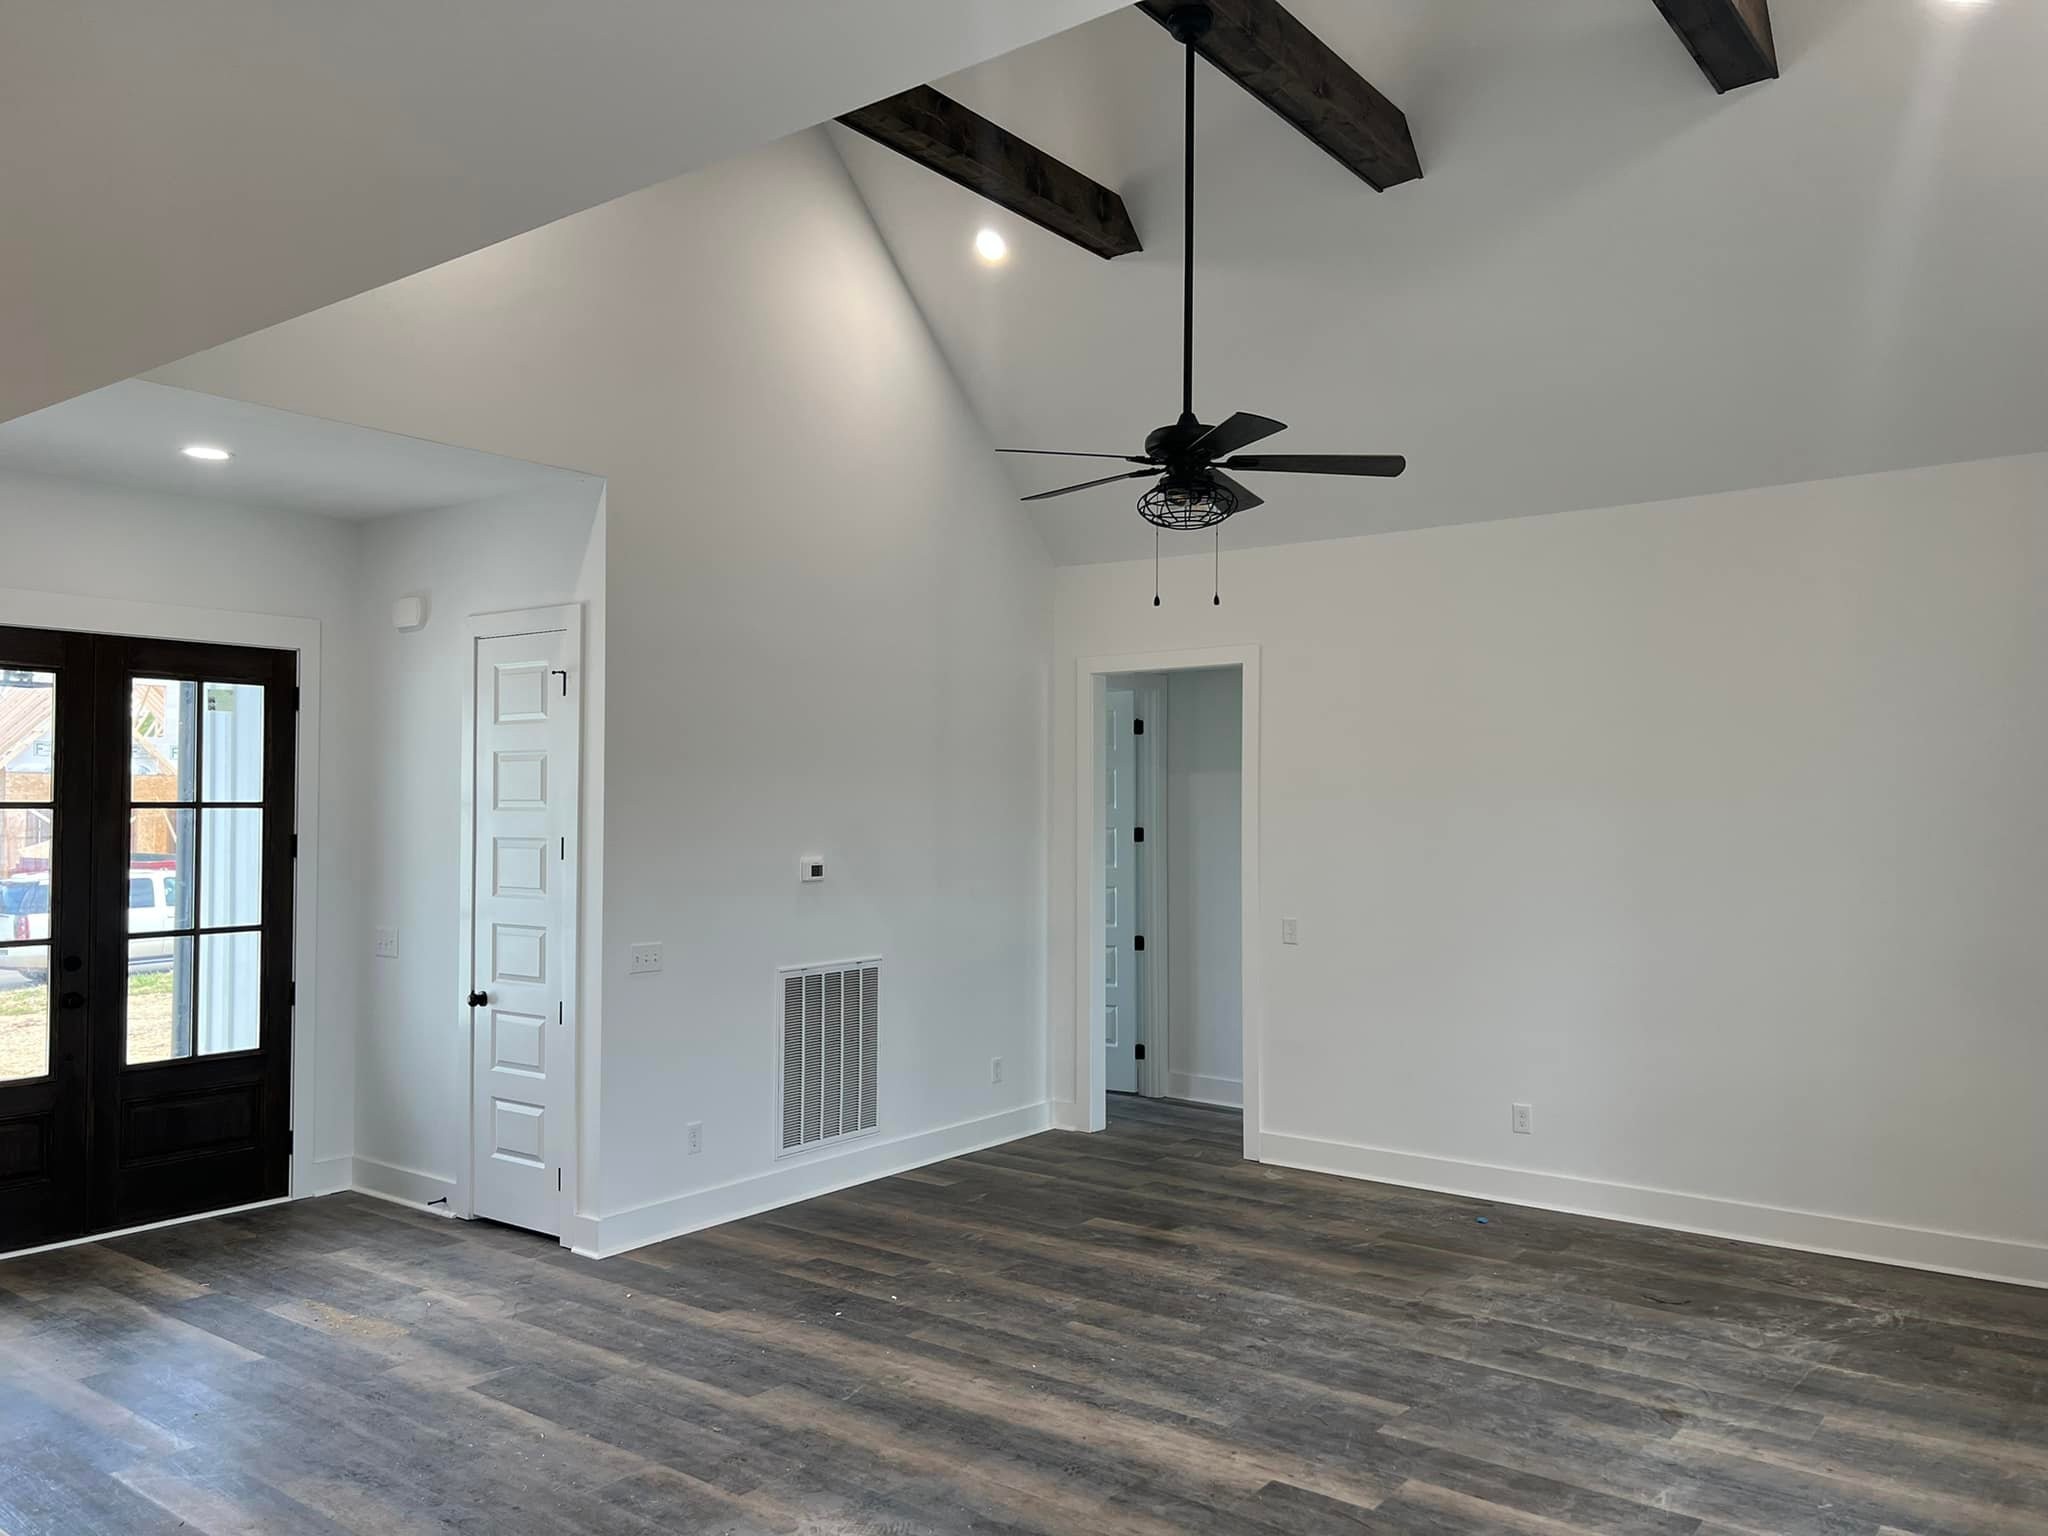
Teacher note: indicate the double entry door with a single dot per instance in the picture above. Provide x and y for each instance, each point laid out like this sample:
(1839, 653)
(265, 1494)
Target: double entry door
(146, 849)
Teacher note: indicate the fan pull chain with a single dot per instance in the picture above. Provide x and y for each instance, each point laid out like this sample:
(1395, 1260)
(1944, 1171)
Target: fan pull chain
(1218, 582)
(1155, 567)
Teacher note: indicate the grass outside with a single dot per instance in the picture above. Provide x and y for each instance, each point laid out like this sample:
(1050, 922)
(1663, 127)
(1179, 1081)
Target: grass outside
(25, 1023)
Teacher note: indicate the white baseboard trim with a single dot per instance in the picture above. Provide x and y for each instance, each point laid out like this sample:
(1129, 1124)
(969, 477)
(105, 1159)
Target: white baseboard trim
(1224, 1092)
(324, 1176)
(788, 1183)
(406, 1186)
(1847, 1237)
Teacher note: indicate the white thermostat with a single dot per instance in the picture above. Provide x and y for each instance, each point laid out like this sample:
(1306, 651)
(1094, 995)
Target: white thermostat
(810, 867)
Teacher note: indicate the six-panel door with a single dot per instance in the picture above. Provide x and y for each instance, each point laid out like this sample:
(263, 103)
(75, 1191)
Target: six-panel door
(522, 1067)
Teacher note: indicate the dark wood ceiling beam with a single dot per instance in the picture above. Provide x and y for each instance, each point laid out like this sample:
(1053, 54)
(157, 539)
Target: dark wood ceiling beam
(963, 146)
(1729, 39)
(1265, 49)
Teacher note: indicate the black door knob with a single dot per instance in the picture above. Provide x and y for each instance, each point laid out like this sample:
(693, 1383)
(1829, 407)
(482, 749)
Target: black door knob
(479, 999)
(71, 1000)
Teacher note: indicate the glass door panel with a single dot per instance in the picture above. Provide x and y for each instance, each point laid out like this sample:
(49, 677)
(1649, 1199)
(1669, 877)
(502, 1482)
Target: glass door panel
(197, 1102)
(44, 911)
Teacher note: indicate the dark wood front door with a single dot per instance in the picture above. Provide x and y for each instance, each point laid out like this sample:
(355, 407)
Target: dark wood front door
(146, 853)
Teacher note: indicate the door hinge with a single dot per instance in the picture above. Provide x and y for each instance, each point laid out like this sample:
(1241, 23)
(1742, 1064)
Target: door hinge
(565, 680)
(565, 849)
(291, 1142)
(1137, 727)
(1138, 943)
(558, 1180)
(295, 994)
(1137, 834)
(295, 845)
(296, 695)
(1140, 1049)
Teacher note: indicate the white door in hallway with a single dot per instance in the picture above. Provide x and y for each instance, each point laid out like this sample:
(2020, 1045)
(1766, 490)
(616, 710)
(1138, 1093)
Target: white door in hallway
(1122, 981)
(526, 713)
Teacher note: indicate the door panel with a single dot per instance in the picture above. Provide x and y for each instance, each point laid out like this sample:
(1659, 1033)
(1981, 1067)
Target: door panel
(192, 1012)
(1121, 979)
(522, 1069)
(45, 881)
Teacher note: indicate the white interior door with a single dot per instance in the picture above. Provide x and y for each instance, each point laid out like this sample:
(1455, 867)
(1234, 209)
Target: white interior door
(523, 1067)
(1121, 974)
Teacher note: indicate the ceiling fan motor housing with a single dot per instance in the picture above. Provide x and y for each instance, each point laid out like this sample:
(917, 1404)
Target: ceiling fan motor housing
(1169, 445)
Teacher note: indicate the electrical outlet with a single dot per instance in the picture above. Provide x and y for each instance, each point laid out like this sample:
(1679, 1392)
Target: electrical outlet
(1290, 930)
(387, 943)
(695, 1131)
(995, 1069)
(646, 958)
(1525, 1119)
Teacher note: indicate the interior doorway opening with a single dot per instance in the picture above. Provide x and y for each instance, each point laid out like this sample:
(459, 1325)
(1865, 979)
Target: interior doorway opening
(1169, 910)
(1173, 892)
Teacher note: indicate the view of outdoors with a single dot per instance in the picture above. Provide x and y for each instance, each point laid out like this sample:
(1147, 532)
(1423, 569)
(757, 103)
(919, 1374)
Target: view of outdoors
(194, 878)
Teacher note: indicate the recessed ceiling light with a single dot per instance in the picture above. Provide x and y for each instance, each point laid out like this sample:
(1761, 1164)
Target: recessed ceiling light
(991, 247)
(208, 452)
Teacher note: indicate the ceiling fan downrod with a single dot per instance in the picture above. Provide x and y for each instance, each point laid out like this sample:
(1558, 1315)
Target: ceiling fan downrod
(1189, 25)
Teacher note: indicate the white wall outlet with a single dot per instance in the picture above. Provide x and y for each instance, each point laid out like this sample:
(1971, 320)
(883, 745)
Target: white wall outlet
(1290, 930)
(646, 958)
(810, 867)
(995, 1069)
(387, 943)
(1525, 1120)
(695, 1132)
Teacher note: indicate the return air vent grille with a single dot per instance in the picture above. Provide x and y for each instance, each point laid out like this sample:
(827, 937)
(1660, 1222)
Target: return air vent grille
(826, 1069)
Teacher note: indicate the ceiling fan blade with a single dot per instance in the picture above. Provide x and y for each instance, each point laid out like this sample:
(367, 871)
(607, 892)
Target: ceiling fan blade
(1247, 498)
(1061, 453)
(1237, 431)
(1384, 464)
(1136, 474)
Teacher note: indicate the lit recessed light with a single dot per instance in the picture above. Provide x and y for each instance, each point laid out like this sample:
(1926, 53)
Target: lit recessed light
(208, 452)
(991, 247)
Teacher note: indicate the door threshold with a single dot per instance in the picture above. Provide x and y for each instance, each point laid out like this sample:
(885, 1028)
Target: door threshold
(147, 1226)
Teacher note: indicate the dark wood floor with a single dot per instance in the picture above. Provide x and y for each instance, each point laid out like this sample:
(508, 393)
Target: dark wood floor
(1131, 1332)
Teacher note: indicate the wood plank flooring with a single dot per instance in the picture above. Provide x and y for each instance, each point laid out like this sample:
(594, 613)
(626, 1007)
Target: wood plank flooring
(1131, 1332)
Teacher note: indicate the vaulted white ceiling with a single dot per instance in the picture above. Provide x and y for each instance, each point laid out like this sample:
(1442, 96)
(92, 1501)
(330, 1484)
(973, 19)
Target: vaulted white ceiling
(1611, 285)
(176, 175)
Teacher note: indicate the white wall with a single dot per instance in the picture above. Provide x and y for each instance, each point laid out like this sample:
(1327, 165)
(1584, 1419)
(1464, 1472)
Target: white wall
(525, 551)
(1715, 829)
(1204, 902)
(827, 632)
(99, 542)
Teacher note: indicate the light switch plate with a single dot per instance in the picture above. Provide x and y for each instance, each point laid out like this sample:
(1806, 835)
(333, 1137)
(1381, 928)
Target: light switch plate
(646, 959)
(387, 943)
(1290, 930)
(1524, 1119)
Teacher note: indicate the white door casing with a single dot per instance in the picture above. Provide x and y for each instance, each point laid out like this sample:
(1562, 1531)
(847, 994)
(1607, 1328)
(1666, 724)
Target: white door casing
(525, 739)
(1122, 980)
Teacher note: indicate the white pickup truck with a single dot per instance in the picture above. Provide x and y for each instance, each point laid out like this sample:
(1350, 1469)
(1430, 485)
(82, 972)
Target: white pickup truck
(25, 914)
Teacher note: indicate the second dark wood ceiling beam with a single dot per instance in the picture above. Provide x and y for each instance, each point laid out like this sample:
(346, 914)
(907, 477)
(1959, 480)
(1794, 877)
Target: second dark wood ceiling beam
(1730, 39)
(963, 146)
(1263, 47)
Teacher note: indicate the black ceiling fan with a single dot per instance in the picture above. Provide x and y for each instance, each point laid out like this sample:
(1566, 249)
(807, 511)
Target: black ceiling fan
(1193, 459)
